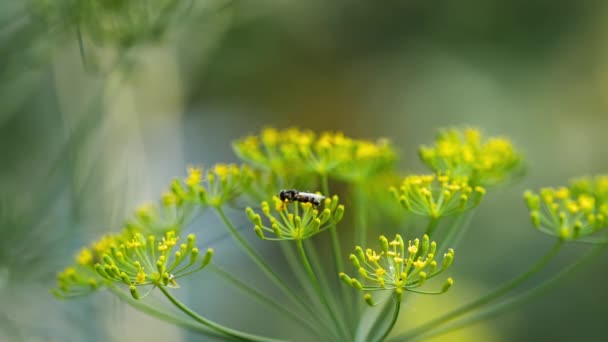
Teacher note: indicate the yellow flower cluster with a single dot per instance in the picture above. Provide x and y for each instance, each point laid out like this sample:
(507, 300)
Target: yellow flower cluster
(134, 260)
(398, 267)
(295, 221)
(81, 278)
(437, 196)
(216, 186)
(293, 153)
(467, 154)
(573, 212)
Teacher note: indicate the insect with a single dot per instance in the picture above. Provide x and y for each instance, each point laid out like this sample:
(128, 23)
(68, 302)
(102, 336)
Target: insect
(292, 195)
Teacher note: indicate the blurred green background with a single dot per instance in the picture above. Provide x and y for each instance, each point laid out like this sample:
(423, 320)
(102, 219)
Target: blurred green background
(103, 102)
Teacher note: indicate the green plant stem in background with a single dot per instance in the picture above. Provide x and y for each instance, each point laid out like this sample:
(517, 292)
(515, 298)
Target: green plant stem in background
(340, 327)
(335, 242)
(430, 228)
(302, 276)
(164, 316)
(379, 329)
(296, 267)
(519, 299)
(268, 301)
(215, 326)
(390, 326)
(326, 286)
(360, 211)
(360, 229)
(264, 266)
(483, 300)
(456, 231)
(347, 297)
(386, 307)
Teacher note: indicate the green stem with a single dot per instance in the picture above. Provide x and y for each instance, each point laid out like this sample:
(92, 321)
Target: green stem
(485, 299)
(264, 266)
(335, 242)
(302, 278)
(163, 316)
(311, 274)
(360, 228)
(215, 326)
(430, 228)
(347, 298)
(385, 307)
(360, 215)
(457, 230)
(262, 298)
(296, 267)
(393, 319)
(520, 299)
(83, 58)
(317, 265)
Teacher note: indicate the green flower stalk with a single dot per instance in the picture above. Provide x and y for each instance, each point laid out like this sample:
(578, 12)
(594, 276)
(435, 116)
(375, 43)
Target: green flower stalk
(398, 267)
(484, 161)
(133, 260)
(295, 220)
(437, 196)
(298, 153)
(571, 213)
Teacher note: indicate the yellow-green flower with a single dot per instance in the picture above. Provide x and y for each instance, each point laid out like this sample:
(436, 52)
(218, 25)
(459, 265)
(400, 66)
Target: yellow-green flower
(213, 187)
(398, 267)
(484, 161)
(75, 281)
(81, 278)
(133, 260)
(151, 218)
(437, 196)
(295, 221)
(298, 153)
(598, 186)
(147, 261)
(571, 213)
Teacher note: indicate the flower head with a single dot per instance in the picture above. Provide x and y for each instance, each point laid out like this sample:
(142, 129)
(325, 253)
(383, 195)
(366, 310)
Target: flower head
(294, 152)
(295, 220)
(572, 212)
(467, 154)
(398, 266)
(436, 196)
(214, 187)
(152, 218)
(81, 278)
(134, 260)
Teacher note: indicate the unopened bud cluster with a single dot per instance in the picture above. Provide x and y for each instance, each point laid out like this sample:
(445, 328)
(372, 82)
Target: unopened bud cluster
(437, 196)
(572, 212)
